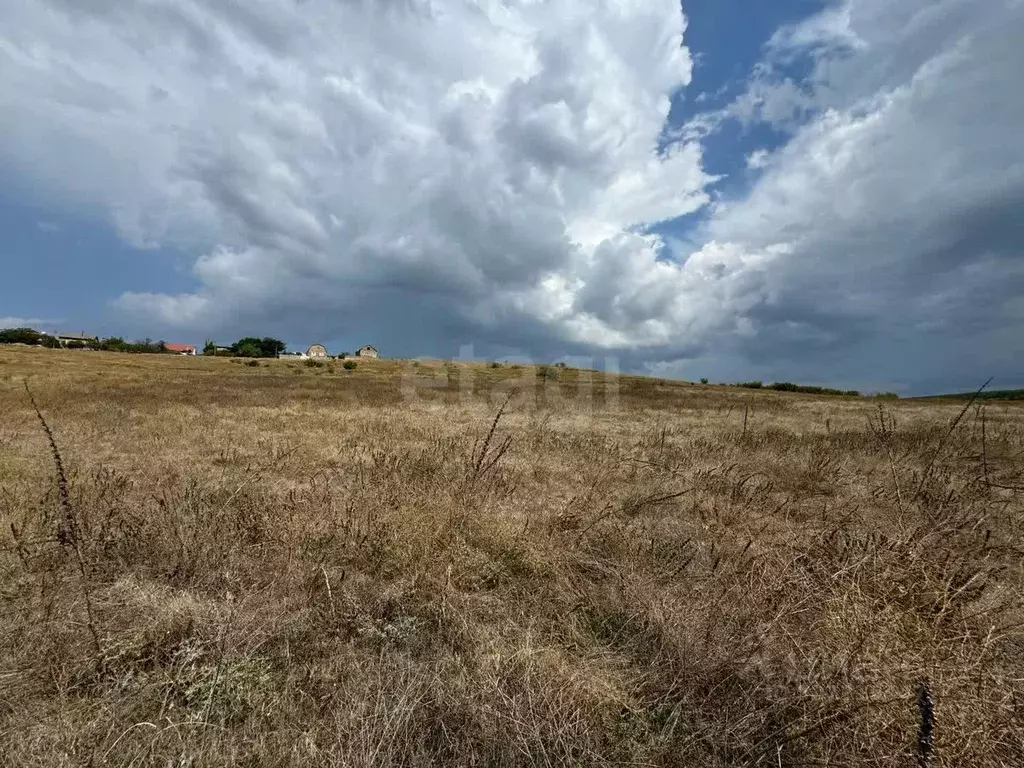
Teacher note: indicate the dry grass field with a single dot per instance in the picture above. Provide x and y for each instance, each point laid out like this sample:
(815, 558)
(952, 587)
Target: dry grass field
(282, 565)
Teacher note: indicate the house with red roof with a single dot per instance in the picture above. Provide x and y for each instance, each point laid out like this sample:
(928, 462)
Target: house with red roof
(181, 349)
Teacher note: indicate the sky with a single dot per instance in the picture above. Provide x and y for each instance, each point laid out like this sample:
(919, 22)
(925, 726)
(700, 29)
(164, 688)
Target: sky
(821, 191)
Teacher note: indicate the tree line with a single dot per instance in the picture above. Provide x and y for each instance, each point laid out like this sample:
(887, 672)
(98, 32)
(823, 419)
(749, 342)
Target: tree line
(249, 346)
(32, 337)
(28, 336)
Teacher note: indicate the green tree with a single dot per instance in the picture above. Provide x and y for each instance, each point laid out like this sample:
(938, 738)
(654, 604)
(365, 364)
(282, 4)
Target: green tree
(250, 346)
(20, 336)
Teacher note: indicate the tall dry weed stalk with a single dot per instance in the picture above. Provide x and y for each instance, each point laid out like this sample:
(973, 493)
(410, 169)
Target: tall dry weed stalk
(926, 729)
(485, 459)
(69, 532)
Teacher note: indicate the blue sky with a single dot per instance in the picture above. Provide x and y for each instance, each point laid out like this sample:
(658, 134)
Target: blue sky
(804, 189)
(64, 269)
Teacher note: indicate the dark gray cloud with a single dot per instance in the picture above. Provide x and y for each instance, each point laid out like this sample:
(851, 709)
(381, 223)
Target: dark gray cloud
(897, 202)
(442, 174)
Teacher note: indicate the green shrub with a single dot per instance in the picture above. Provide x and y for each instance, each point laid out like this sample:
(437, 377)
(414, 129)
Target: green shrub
(547, 372)
(886, 396)
(314, 363)
(494, 364)
(117, 344)
(703, 380)
(750, 385)
(349, 365)
(21, 336)
(251, 346)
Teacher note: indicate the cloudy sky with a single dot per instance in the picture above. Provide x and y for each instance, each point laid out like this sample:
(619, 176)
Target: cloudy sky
(813, 190)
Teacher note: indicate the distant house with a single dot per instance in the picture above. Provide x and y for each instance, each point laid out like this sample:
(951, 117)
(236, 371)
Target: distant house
(316, 350)
(367, 351)
(75, 339)
(181, 349)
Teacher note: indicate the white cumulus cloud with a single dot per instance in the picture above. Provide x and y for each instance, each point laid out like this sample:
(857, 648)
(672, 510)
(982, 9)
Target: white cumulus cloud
(326, 156)
(438, 172)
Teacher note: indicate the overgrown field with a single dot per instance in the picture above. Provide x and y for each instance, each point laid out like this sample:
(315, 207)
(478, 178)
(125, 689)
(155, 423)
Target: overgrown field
(283, 565)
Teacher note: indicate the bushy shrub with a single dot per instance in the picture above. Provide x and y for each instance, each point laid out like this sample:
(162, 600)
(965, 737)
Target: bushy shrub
(703, 380)
(253, 363)
(349, 365)
(314, 363)
(251, 346)
(547, 372)
(20, 336)
(117, 344)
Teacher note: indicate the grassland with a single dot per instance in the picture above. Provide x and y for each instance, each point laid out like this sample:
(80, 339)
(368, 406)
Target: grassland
(283, 565)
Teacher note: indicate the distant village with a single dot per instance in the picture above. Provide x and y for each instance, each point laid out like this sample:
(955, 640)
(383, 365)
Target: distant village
(250, 346)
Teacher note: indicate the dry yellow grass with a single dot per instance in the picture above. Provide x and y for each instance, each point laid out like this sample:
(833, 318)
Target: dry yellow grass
(285, 565)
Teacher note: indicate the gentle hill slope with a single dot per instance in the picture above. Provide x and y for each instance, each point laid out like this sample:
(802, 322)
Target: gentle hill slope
(455, 564)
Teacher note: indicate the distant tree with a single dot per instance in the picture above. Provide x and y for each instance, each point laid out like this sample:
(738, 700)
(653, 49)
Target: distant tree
(788, 386)
(113, 344)
(250, 346)
(273, 347)
(209, 348)
(20, 336)
(246, 348)
(703, 380)
(117, 344)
